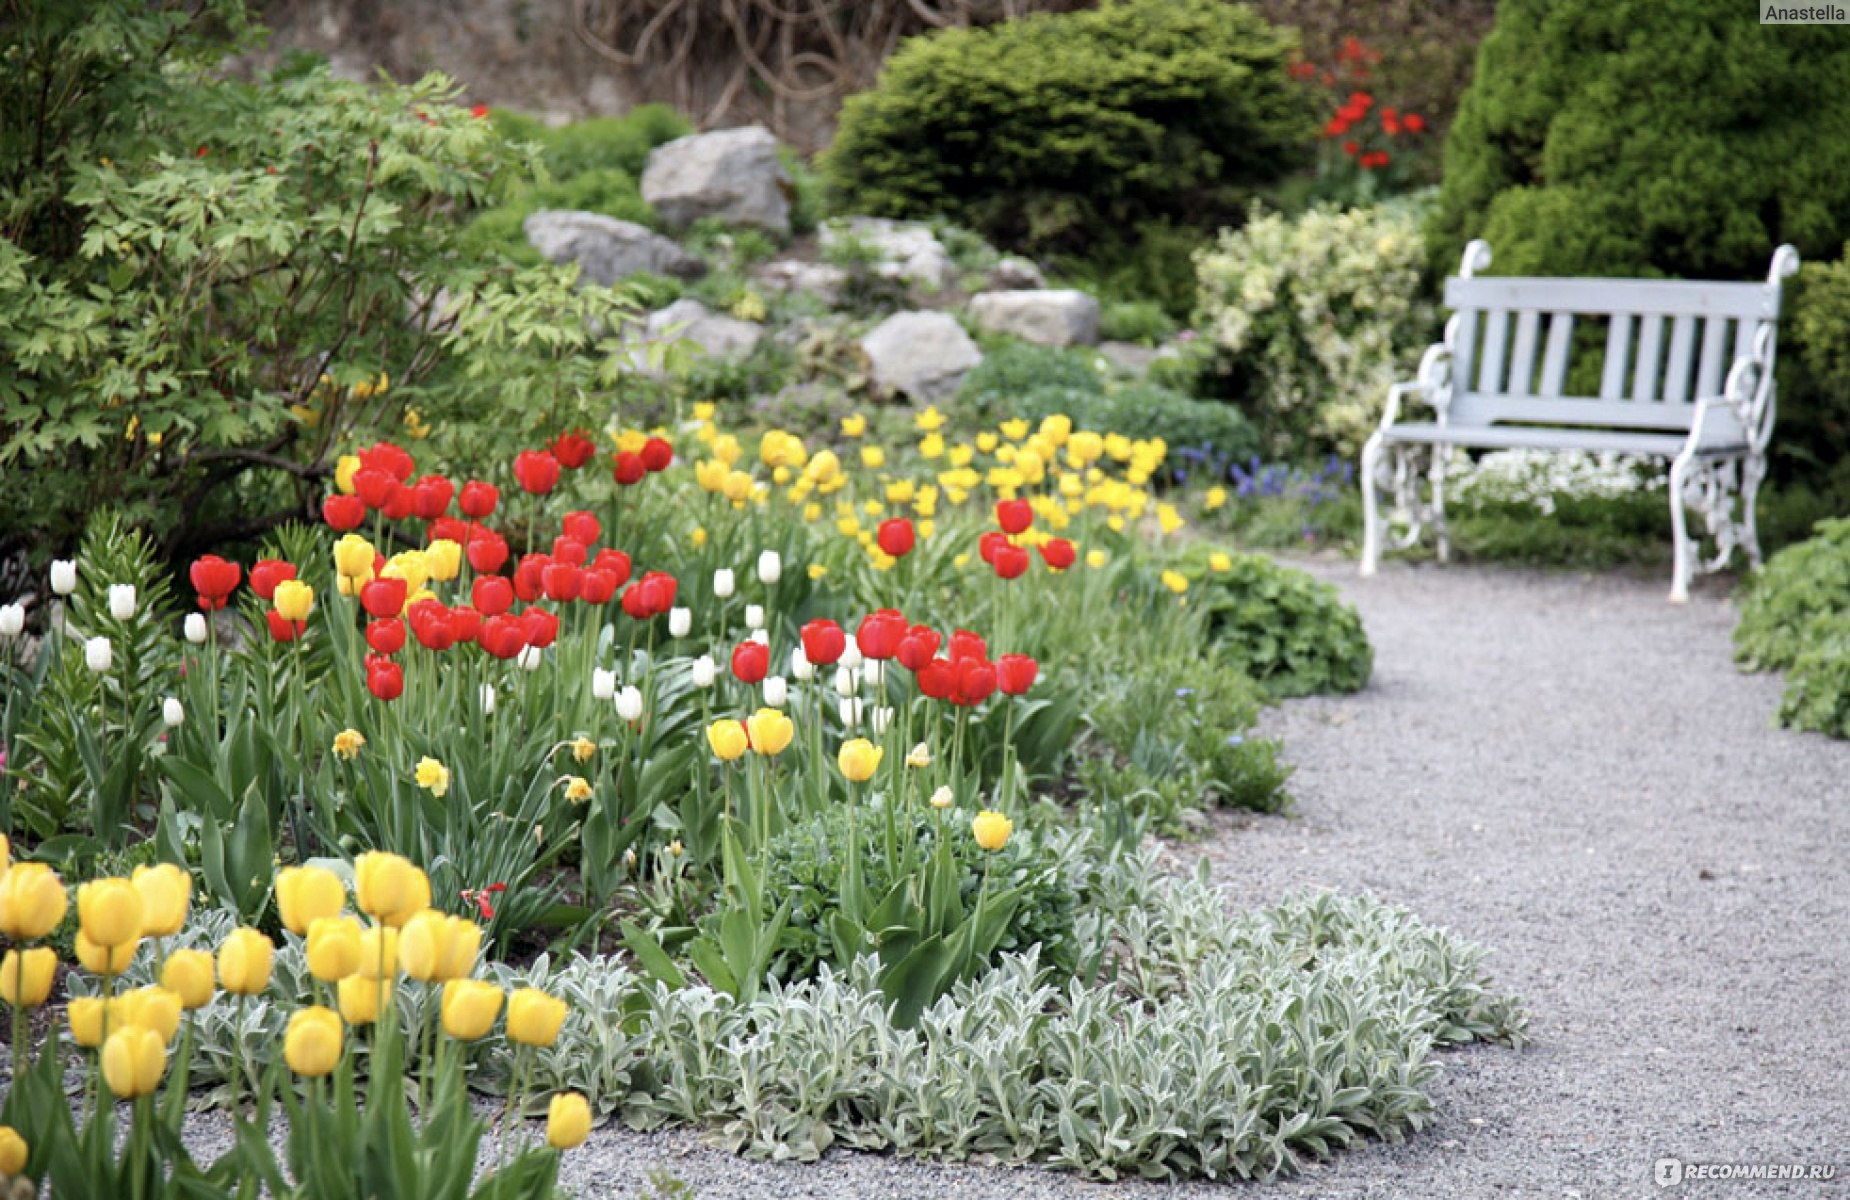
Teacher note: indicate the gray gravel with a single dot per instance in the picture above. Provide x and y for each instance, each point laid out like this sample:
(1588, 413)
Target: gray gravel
(1567, 770)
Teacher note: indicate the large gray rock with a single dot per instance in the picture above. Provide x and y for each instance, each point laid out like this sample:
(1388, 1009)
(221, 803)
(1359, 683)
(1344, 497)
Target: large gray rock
(607, 250)
(732, 174)
(1050, 317)
(719, 335)
(922, 354)
(904, 250)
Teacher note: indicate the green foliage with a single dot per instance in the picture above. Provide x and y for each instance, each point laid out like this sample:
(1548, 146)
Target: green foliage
(1640, 138)
(1290, 632)
(1152, 262)
(1054, 130)
(1013, 368)
(1314, 318)
(610, 191)
(1812, 439)
(1794, 619)
(1141, 321)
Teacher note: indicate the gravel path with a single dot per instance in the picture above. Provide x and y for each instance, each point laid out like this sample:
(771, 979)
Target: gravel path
(1569, 771)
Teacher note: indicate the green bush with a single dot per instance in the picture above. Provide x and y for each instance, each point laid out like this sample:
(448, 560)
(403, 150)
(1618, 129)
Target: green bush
(1057, 129)
(1290, 632)
(1811, 441)
(1142, 321)
(1014, 368)
(1796, 618)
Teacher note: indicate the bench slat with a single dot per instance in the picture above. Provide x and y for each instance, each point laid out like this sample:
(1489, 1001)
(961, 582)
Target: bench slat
(1709, 370)
(1644, 371)
(1522, 358)
(1671, 297)
(1473, 411)
(1490, 373)
(1676, 371)
(1554, 359)
(1618, 343)
(1464, 350)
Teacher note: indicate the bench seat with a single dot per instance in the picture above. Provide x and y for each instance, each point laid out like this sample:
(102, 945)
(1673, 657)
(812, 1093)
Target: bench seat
(1529, 437)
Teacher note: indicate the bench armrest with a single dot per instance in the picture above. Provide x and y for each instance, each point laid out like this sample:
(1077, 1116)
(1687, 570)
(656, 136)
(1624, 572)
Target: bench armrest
(1747, 394)
(1433, 385)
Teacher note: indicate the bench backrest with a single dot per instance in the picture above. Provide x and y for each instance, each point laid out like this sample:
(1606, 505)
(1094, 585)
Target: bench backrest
(1667, 343)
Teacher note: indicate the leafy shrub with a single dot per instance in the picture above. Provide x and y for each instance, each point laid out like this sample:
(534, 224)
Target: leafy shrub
(1560, 509)
(1290, 632)
(1794, 619)
(1053, 130)
(1151, 261)
(1014, 368)
(1142, 321)
(1315, 317)
(1812, 439)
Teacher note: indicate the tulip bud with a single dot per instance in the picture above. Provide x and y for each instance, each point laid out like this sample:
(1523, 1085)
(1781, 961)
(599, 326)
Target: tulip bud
(754, 616)
(312, 1043)
(102, 960)
(14, 1151)
(991, 830)
(64, 576)
(872, 672)
(568, 1121)
(943, 797)
(122, 601)
(333, 948)
(155, 1008)
(533, 1017)
(196, 628)
(776, 691)
(883, 716)
(133, 1062)
(680, 621)
(800, 666)
(603, 684)
(846, 682)
(530, 658)
(12, 619)
(420, 946)
(379, 952)
(26, 975)
(109, 912)
(859, 759)
(470, 1007)
(32, 901)
(85, 1016)
(629, 704)
(488, 699)
(99, 655)
(704, 671)
(761, 636)
(387, 886)
(850, 712)
(188, 974)
(173, 713)
(165, 892)
(362, 998)
(305, 895)
(244, 962)
(851, 656)
(770, 567)
(727, 739)
(920, 757)
(723, 582)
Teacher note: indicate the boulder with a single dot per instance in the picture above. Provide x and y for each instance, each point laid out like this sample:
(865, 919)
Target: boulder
(825, 281)
(607, 250)
(732, 174)
(921, 354)
(1050, 317)
(1014, 273)
(905, 250)
(719, 335)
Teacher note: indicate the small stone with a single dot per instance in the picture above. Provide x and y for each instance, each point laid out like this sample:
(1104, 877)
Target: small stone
(1014, 273)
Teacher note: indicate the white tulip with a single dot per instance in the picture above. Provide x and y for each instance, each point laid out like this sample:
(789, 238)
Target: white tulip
(603, 684)
(488, 699)
(122, 601)
(776, 691)
(846, 682)
(680, 620)
(761, 636)
(99, 654)
(920, 757)
(800, 666)
(703, 671)
(530, 658)
(872, 672)
(754, 616)
(850, 712)
(64, 575)
(722, 582)
(12, 619)
(851, 657)
(629, 704)
(770, 567)
(883, 716)
(196, 628)
(172, 712)
(943, 798)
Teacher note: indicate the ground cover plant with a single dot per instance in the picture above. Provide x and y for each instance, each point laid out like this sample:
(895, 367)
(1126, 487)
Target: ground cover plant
(1793, 620)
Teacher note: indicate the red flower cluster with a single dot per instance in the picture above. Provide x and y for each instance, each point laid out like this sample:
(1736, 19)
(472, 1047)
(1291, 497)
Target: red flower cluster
(630, 466)
(215, 579)
(963, 675)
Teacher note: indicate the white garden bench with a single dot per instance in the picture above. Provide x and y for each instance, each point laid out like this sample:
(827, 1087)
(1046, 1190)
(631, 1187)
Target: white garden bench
(1687, 375)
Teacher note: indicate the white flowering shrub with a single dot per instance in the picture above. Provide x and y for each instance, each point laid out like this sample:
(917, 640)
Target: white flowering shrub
(1314, 317)
(1543, 479)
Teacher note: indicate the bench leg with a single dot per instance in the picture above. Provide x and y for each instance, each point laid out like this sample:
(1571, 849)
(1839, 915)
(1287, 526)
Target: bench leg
(1371, 505)
(1752, 472)
(1683, 546)
(1443, 536)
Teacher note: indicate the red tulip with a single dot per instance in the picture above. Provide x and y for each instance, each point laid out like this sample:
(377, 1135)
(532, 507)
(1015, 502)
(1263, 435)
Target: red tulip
(573, 449)
(282, 630)
(614, 561)
(1014, 515)
(629, 468)
(976, 678)
(465, 623)
(1010, 561)
(751, 661)
(599, 586)
(562, 582)
(386, 636)
(492, 594)
(823, 641)
(1058, 553)
(400, 503)
(938, 678)
(431, 622)
(530, 577)
(448, 529)
(541, 627)
(896, 537)
(215, 579)
(386, 680)
(503, 636)
(581, 527)
(478, 499)
(343, 513)
(1015, 673)
(880, 633)
(394, 460)
(431, 497)
(373, 487)
(662, 588)
(637, 601)
(986, 545)
(384, 597)
(537, 471)
(569, 550)
(656, 454)
(488, 553)
(918, 647)
(965, 644)
(267, 574)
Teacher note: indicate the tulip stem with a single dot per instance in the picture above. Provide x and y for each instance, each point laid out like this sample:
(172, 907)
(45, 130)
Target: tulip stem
(19, 1011)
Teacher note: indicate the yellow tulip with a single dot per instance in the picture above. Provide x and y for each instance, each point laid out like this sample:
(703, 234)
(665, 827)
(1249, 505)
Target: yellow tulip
(85, 1016)
(470, 1007)
(306, 894)
(568, 1121)
(353, 555)
(362, 998)
(188, 974)
(410, 566)
(1014, 430)
(1220, 562)
(737, 486)
(770, 731)
(348, 743)
(155, 1008)
(109, 911)
(728, 740)
(345, 468)
(133, 1061)
(991, 830)
(421, 945)
(379, 952)
(853, 426)
(859, 759)
(583, 749)
(13, 1152)
(244, 961)
(333, 948)
(1095, 559)
(388, 887)
(433, 776)
(710, 474)
(873, 457)
(444, 558)
(312, 1044)
(294, 600)
(103, 960)
(577, 789)
(165, 891)
(462, 943)
(26, 975)
(1175, 581)
(533, 1017)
